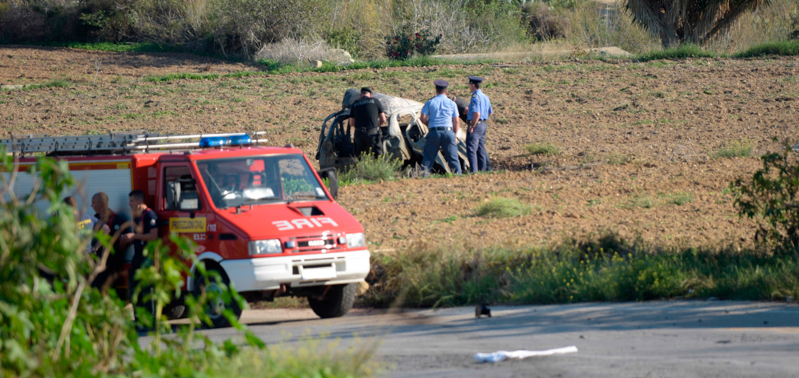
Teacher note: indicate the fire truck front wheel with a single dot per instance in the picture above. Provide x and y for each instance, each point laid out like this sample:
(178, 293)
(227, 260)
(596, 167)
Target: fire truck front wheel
(216, 305)
(335, 303)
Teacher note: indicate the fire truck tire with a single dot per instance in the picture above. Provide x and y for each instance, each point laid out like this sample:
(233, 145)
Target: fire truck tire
(215, 308)
(336, 302)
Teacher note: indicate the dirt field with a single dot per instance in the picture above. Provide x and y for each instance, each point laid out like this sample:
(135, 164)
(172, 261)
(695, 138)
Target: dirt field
(637, 139)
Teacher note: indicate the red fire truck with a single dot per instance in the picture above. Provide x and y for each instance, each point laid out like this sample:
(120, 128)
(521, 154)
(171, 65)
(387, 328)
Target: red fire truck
(261, 216)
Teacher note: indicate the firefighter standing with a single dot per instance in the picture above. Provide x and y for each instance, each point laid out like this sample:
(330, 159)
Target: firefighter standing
(118, 224)
(145, 229)
(479, 110)
(440, 114)
(366, 116)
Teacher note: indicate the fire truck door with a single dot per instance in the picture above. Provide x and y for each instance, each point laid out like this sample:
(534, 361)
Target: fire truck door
(180, 206)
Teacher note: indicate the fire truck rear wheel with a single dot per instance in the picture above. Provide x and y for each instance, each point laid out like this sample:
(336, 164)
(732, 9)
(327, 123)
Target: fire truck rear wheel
(215, 308)
(336, 302)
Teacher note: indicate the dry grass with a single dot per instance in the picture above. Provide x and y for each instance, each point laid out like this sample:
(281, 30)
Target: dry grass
(607, 24)
(296, 52)
(775, 22)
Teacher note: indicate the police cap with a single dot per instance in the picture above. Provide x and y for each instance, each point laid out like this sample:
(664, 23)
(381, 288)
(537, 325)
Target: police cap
(475, 79)
(366, 89)
(441, 83)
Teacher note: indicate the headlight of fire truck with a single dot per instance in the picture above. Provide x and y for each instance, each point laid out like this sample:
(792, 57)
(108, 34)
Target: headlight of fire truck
(264, 247)
(356, 240)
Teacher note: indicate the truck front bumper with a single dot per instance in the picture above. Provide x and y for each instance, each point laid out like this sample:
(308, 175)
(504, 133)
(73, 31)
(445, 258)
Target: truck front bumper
(268, 273)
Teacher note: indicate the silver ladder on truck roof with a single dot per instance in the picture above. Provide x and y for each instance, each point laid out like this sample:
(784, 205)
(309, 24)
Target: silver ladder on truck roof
(112, 143)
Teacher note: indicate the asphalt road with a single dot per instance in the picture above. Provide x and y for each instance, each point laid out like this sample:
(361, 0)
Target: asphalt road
(649, 339)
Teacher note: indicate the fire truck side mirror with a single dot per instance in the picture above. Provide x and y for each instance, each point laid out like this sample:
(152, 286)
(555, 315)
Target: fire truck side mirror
(332, 180)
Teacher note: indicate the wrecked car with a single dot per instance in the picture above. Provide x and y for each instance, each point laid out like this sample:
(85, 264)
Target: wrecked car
(403, 135)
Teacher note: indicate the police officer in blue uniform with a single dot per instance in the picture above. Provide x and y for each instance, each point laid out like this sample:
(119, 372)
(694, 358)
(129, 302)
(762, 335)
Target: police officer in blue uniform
(440, 114)
(479, 110)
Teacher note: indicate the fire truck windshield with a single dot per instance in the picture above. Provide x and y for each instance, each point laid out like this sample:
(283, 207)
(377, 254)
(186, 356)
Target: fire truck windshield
(255, 180)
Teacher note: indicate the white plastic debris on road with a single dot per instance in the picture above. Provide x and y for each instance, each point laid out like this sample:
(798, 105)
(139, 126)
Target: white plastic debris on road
(519, 354)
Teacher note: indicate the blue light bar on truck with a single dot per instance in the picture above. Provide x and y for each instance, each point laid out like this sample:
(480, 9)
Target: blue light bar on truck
(240, 140)
(237, 140)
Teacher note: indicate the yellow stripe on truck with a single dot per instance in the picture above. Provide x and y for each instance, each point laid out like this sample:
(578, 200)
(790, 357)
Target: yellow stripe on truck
(184, 225)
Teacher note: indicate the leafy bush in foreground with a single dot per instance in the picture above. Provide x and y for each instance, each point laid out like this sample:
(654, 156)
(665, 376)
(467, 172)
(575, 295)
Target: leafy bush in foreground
(772, 198)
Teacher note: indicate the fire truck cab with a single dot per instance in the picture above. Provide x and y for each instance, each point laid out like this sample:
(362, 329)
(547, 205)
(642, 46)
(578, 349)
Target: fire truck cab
(260, 216)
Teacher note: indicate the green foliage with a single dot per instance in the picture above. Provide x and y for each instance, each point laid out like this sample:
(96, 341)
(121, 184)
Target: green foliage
(50, 321)
(603, 269)
(771, 197)
(785, 48)
(292, 186)
(405, 45)
(542, 149)
(734, 149)
(347, 39)
(368, 168)
(679, 52)
(503, 208)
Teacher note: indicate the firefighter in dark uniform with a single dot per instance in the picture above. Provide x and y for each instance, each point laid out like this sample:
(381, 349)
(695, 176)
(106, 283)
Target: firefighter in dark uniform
(145, 230)
(479, 110)
(366, 116)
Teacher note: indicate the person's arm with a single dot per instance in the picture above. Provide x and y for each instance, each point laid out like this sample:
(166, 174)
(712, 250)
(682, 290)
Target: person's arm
(381, 119)
(456, 125)
(475, 120)
(424, 118)
(148, 237)
(351, 122)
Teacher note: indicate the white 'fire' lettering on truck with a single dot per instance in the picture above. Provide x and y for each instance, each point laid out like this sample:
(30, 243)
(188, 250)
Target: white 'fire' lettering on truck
(299, 223)
(285, 225)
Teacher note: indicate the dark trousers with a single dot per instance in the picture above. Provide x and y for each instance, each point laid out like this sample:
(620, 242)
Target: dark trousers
(447, 142)
(476, 148)
(368, 141)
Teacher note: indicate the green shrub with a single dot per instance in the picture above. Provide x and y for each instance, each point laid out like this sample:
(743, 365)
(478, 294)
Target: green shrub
(503, 208)
(403, 46)
(368, 168)
(734, 149)
(542, 149)
(771, 197)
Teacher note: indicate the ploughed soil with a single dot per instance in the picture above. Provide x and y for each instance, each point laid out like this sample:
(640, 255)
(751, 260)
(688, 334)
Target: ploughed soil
(637, 141)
